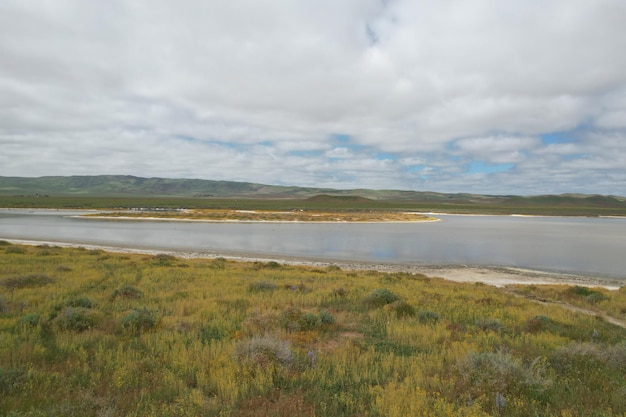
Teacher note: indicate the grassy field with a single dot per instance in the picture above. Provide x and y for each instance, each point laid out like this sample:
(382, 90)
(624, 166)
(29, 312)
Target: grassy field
(90, 333)
(529, 206)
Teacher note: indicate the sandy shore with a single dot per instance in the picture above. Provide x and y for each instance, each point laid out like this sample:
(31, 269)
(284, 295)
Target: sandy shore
(491, 275)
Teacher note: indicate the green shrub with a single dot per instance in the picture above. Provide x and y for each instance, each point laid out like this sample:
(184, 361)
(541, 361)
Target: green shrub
(402, 309)
(163, 259)
(12, 379)
(381, 297)
(4, 306)
(15, 250)
(211, 333)
(76, 319)
(138, 321)
(128, 292)
(218, 263)
(326, 318)
(293, 319)
(83, 302)
(537, 324)
(592, 296)
(5, 243)
(424, 316)
(492, 325)
(31, 320)
(27, 281)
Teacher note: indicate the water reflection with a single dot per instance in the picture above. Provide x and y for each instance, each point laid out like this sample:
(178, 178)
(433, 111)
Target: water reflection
(578, 245)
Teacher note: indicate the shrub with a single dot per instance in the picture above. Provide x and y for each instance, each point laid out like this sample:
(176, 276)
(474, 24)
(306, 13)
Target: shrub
(537, 324)
(12, 379)
(402, 309)
(27, 281)
(264, 351)
(592, 296)
(490, 325)
(293, 319)
(490, 372)
(31, 320)
(427, 316)
(15, 250)
(381, 297)
(218, 263)
(128, 292)
(138, 321)
(4, 306)
(163, 259)
(76, 319)
(326, 318)
(211, 333)
(267, 265)
(4, 243)
(589, 356)
(262, 286)
(340, 292)
(83, 302)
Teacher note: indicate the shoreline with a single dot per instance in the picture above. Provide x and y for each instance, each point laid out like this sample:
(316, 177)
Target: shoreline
(498, 276)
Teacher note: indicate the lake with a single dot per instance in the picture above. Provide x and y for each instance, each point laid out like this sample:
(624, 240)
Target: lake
(586, 246)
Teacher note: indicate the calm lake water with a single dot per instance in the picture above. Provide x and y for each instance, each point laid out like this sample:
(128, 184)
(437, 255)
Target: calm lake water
(589, 246)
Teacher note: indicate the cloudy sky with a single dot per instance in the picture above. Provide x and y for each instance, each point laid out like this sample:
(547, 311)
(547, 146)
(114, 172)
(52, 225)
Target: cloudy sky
(488, 96)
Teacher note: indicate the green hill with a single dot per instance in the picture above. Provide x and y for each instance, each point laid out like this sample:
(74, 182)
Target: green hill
(202, 192)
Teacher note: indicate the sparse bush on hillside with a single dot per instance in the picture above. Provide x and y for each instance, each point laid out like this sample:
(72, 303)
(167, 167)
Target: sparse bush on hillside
(592, 296)
(31, 320)
(163, 259)
(402, 309)
(381, 297)
(490, 325)
(293, 319)
(264, 351)
(83, 302)
(425, 316)
(140, 320)
(76, 319)
(488, 373)
(128, 292)
(14, 250)
(27, 281)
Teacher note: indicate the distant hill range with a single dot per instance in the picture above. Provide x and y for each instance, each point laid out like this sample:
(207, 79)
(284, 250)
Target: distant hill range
(130, 186)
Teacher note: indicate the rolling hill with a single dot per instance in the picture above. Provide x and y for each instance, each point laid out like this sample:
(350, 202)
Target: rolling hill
(138, 187)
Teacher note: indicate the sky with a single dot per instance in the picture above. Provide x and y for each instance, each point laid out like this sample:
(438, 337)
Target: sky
(519, 97)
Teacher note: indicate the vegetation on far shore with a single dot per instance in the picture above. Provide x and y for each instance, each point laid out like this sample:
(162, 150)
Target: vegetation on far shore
(526, 206)
(91, 333)
(269, 215)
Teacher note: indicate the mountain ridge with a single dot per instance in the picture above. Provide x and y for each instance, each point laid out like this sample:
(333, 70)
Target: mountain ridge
(133, 186)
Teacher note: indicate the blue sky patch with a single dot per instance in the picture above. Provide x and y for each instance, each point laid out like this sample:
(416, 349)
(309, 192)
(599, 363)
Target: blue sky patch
(480, 167)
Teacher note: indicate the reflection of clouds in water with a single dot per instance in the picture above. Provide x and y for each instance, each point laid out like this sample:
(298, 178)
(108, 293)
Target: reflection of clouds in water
(592, 246)
(384, 254)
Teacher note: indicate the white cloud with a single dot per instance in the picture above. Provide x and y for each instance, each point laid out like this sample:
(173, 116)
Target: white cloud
(253, 90)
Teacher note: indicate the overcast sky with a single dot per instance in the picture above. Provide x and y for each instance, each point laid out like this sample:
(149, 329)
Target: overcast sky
(487, 96)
